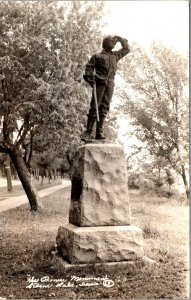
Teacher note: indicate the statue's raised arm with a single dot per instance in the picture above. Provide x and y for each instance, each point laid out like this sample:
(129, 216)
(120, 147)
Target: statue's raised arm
(125, 47)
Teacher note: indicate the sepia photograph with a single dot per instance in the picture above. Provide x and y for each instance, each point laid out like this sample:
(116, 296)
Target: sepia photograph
(94, 149)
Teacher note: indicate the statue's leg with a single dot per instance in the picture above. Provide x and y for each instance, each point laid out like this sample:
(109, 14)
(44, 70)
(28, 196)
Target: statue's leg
(86, 135)
(100, 91)
(104, 108)
(99, 128)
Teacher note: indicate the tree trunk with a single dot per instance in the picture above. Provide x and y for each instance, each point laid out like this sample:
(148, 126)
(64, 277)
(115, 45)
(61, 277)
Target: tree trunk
(49, 176)
(185, 181)
(15, 176)
(30, 152)
(55, 174)
(8, 173)
(183, 173)
(25, 179)
(37, 173)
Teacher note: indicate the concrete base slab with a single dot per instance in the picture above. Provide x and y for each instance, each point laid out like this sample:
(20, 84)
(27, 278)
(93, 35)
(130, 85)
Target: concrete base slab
(101, 244)
(68, 266)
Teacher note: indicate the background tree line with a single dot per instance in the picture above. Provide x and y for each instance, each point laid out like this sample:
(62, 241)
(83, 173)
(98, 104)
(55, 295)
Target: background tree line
(155, 98)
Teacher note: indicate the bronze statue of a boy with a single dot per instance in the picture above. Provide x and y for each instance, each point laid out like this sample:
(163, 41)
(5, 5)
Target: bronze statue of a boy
(101, 70)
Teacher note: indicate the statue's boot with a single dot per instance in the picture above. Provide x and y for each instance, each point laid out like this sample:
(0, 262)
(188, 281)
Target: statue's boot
(86, 135)
(99, 129)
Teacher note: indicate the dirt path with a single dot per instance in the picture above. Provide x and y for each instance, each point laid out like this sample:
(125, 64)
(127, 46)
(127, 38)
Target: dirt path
(12, 202)
(3, 182)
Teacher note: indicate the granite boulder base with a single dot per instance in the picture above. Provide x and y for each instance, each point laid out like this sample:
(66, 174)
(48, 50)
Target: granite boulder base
(99, 194)
(99, 228)
(82, 245)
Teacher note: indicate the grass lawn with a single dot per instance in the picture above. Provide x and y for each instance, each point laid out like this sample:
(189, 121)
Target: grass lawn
(27, 239)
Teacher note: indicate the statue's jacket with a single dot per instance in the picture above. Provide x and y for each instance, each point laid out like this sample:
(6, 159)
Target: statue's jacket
(105, 63)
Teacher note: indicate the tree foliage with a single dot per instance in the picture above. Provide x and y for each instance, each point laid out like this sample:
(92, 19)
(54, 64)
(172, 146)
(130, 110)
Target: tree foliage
(42, 57)
(157, 101)
(43, 49)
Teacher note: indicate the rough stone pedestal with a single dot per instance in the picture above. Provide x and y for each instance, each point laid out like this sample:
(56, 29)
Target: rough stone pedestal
(82, 245)
(99, 194)
(99, 227)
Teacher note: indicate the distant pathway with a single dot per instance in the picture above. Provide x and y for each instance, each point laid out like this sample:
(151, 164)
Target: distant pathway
(3, 182)
(13, 202)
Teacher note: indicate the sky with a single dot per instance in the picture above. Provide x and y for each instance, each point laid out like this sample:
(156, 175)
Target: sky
(145, 21)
